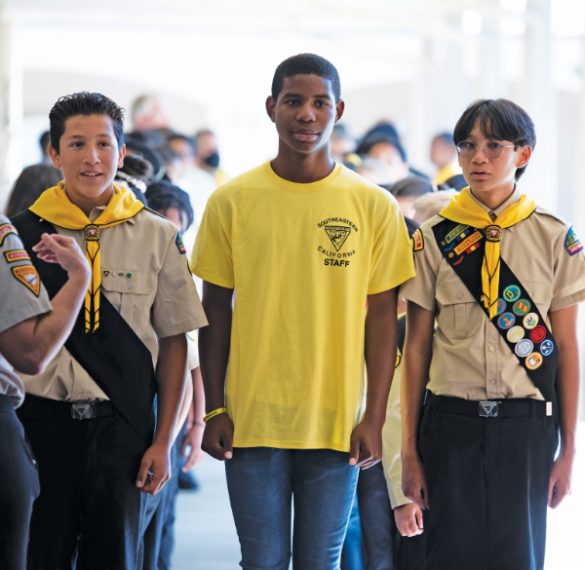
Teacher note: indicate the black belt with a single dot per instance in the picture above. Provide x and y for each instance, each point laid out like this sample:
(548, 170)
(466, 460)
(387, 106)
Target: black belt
(506, 408)
(44, 408)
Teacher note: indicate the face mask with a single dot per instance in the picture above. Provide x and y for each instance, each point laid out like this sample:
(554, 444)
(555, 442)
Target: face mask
(212, 160)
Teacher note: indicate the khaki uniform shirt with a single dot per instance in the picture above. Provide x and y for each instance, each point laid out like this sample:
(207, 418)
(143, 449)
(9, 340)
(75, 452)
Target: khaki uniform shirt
(391, 442)
(470, 359)
(22, 297)
(147, 280)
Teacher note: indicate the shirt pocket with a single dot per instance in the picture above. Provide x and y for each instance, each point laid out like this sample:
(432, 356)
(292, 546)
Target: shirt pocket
(459, 313)
(130, 292)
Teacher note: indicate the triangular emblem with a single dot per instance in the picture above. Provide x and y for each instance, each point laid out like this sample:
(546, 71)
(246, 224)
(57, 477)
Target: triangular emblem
(337, 235)
(29, 277)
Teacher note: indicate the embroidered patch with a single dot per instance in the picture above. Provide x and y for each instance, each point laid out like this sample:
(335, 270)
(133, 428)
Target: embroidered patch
(533, 361)
(512, 293)
(547, 347)
(501, 306)
(29, 277)
(521, 307)
(516, 334)
(418, 242)
(506, 321)
(180, 246)
(573, 244)
(524, 348)
(538, 333)
(6, 229)
(13, 255)
(530, 321)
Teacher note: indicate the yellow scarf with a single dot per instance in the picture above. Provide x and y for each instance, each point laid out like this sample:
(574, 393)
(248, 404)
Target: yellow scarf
(54, 206)
(463, 209)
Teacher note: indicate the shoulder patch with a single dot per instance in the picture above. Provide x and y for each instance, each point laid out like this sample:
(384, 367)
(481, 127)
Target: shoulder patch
(6, 229)
(573, 244)
(418, 242)
(180, 246)
(29, 277)
(13, 255)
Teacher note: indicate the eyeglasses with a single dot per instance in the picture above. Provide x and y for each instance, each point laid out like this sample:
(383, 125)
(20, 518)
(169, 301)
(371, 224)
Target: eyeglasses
(491, 150)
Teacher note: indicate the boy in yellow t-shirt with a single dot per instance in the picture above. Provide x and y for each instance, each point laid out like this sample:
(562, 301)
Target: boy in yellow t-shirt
(313, 253)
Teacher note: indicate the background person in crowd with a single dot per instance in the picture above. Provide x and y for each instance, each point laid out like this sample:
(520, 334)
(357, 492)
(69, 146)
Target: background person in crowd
(502, 278)
(44, 141)
(208, 157)
(32, 330)
(408, 190)
(287, 417)
(30, 184)
(443, 155)
(89, 415)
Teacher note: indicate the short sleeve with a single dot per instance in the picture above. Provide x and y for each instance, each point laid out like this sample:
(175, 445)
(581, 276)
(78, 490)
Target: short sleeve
(421, 289)
(23, 295)
(177, 308)
(391, 253)
(569, 274)
(212, 258)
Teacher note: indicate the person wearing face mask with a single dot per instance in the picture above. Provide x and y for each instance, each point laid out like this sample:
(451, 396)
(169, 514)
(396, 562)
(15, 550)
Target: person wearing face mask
(208, 157)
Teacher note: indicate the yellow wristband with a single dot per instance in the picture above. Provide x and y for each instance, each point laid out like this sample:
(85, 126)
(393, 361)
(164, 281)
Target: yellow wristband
(214, 413)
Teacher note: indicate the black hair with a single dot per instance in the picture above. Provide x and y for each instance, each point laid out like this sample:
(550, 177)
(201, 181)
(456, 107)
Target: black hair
(174, 136)
(499, 119)
(84, 103)
(29, 185)
(164, 195)
(411, 186)
(306, 64)
(44, 141)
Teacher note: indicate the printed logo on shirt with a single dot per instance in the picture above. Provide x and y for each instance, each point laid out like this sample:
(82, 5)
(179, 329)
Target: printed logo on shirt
(337, 250)
(29, 277)
(13, 255)
(573, 244)
(5, 230)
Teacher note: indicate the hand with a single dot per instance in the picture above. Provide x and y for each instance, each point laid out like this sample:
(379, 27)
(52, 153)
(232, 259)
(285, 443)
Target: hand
(559, 485)
(191, 446)
(55, 248)
(218, 437)
(365, 446)
(414, 484)
(155, 469)
(409, 519)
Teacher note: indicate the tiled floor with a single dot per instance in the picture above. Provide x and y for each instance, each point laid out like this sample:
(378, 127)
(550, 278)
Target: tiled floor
(207, 540)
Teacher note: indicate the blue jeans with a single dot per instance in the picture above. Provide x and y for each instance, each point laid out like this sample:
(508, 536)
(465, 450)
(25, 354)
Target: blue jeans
(263, 483)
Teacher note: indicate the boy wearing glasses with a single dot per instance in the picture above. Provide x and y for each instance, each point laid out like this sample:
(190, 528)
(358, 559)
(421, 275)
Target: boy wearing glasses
(502, 278)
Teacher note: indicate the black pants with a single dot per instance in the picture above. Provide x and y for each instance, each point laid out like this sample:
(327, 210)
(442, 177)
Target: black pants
(89, 512)
(488, 484)
(19, 486)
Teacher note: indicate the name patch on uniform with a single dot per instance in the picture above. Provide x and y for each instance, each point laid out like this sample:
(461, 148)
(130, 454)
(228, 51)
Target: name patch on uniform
(5, 230)
(418, 242)
(573, 244)
(13, 255)
(180, 246)
(29, 277)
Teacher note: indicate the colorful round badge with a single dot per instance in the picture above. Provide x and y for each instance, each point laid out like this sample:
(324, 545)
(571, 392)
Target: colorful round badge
(538, 333)
(515, 334)
(512, 293)
(501, 306)
(547, 347)
(506, 321)
(521, 307)
(530, 321)
(533, 361)
(524, 348)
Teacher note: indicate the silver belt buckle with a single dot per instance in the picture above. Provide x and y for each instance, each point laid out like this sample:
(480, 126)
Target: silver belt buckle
(82, 411)
(487, 408)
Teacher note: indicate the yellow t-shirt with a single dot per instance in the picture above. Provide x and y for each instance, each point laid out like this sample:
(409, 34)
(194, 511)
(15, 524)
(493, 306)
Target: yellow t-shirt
(302, 259)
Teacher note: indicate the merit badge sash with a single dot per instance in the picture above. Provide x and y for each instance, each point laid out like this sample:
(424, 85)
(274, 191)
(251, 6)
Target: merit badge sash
(517, 317)
(114, 356)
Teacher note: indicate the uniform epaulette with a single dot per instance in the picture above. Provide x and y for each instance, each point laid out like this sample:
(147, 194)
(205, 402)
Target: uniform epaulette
(543, 212)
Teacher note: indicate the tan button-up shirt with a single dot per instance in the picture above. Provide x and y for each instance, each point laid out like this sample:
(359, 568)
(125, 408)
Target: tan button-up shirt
(22, 297)
(147, 279)
(470, 359)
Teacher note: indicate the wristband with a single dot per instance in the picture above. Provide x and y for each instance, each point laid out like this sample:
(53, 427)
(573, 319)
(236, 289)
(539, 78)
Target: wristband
(214, 413)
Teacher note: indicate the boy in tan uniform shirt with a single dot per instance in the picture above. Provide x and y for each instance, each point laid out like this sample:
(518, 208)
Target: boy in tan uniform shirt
(501, 276)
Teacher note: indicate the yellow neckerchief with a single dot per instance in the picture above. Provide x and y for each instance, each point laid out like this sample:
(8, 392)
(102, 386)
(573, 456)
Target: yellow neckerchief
(463, 209)
(54, 206)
